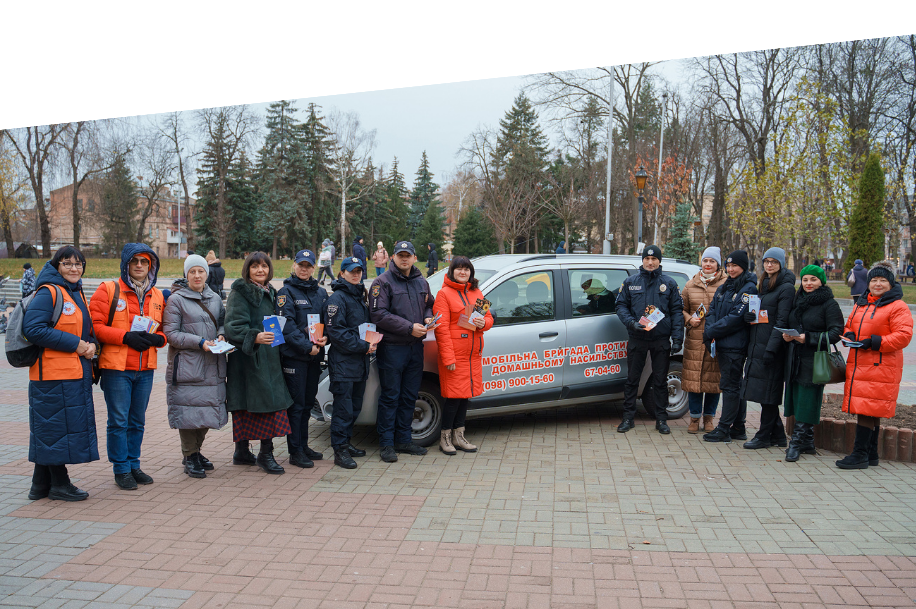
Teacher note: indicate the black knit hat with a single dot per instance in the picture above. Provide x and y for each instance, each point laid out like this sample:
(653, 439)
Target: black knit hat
(738, 257)
(885, 269)
(652, 250)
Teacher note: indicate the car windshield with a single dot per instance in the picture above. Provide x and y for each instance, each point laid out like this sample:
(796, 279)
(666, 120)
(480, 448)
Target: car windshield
(435, 282)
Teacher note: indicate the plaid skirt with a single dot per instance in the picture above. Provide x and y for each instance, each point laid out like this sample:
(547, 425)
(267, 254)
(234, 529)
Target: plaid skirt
(259, 425)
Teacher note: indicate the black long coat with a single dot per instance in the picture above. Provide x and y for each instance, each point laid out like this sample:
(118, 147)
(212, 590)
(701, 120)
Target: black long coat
(812, 315)
(763, 376)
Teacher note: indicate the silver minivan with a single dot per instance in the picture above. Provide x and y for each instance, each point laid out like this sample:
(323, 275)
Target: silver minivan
(550, 346)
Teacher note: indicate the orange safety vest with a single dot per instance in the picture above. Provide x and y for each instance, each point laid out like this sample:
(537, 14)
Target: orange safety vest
(114, 357)
(55, 365)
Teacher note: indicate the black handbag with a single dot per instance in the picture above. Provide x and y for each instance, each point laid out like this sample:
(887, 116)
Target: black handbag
(829, 368)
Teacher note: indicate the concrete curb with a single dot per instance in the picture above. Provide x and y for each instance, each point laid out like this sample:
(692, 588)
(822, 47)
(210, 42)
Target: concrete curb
(894, 444)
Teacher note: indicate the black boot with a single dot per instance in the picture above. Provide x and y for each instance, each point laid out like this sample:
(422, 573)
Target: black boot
(342, 457)
(243, 455)
(193, 467)
(873, 447)
(794, 449)
(266, 459)
(858, 459)
(61, 487)
(354, 452)
(314, 455)
(768, 415)
(778, 435)
(807, 439)
(41, 482)
(300, 459)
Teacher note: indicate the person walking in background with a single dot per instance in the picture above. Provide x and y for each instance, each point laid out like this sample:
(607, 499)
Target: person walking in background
(640, 296)
(401, 306)
(701, 371)
(883, 324)
(561, 249)
(432, 260)
(61, 410)
(911, 272)
(726, 337)
(360, 252)
(380, 258)
(764, 372)
(326, 262)
(27, 283)
(817, 318)
(128, 359)
(857, 280)
(300, 297)
(216, 274)
(348, 360)
(195, 378)
(256, 392)
(460, 348)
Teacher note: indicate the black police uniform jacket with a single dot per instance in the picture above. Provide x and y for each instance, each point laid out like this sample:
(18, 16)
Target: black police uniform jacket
(397, 302)
(296, 300)
(725, 318)
(345, 310)
(648, 289)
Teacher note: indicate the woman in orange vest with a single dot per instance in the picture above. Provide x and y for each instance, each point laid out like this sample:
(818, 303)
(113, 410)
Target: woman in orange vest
(129, 356)
(460, 370)
(61, 412)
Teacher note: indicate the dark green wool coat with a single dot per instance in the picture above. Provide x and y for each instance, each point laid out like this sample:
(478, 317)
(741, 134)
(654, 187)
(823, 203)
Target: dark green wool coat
(255, 376)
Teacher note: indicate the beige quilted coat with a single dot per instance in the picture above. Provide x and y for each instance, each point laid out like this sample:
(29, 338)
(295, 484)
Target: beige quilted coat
(701, 372)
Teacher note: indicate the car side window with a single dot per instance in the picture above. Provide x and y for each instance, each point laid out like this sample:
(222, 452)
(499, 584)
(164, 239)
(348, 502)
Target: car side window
(594, 291)
(680, 278)
(523, 299)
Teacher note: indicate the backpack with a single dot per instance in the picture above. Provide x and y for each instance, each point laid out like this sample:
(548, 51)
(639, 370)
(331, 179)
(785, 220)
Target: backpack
(20, 353)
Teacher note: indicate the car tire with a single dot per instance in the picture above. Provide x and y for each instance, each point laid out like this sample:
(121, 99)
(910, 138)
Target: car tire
(427, 415)
(677, 397)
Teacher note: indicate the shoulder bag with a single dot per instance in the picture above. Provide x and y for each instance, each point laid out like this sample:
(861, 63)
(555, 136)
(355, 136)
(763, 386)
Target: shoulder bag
(829, 368)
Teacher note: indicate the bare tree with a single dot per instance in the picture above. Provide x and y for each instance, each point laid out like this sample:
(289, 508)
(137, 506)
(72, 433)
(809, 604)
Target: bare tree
(228, 131)
(173, 129)
(35, 147)
(11, 185)
(351, 151)
(85, 159)
(157, 161)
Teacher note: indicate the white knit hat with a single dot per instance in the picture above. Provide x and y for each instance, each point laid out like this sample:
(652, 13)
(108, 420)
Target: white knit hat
(194, 260)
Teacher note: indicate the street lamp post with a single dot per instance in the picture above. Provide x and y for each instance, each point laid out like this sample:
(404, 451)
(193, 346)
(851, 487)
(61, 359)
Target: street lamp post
(606, 246)
(641, 177)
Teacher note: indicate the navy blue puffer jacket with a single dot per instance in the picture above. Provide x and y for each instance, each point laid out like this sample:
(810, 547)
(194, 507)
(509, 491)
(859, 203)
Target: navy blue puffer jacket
(725, 319)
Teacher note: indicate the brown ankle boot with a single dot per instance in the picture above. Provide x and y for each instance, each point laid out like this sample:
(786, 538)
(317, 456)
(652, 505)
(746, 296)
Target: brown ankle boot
(694, 426)
(708, 422)
(445, 442)
(461, 442)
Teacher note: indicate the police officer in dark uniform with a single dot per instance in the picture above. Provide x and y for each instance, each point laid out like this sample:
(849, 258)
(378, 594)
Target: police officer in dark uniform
(727, 329)
(401, 306)
(301, 358)
(640, 295)
(348, 358)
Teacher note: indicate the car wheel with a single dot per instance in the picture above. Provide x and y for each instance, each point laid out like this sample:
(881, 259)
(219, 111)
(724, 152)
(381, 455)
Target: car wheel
(427, 414)
(677, 397)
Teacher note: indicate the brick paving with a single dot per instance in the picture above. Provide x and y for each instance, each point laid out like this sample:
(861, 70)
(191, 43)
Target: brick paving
(555, 510)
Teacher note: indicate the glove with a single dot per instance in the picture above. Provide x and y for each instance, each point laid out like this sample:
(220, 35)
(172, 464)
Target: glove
(153, 339)
(135, 341)
(850, 335)
(750, 317)
(637, 326)
(675, 348)
(866, 343)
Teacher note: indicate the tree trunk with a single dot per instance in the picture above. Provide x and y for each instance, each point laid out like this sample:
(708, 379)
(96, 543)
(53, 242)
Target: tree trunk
(6, 225)
(343, 217)
(221, 212)
(274, 254)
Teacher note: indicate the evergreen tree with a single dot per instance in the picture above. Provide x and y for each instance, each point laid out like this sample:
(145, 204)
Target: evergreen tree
(473, 235)
(281, 178)
(521, 146)
(242, 205)
(118, 202)
(317, 180)
(392, 217)
(429, 231)
(423, 193)
(682, 244)
(866, 234)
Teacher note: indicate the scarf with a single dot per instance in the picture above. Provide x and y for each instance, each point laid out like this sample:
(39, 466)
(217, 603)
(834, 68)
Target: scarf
(710, 278)
(805, 300)
(140, 287)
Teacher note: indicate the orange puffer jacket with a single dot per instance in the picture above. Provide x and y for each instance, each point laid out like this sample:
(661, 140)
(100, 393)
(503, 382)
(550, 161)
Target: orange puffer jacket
(458, 345)
(873, 377)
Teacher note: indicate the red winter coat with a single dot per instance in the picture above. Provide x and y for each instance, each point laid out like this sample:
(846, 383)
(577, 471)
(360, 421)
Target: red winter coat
(458, 345)
(873, 377)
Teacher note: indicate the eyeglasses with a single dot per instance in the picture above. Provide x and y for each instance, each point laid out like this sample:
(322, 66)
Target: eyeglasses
(139, 262)
(73, 265)
(770, 261)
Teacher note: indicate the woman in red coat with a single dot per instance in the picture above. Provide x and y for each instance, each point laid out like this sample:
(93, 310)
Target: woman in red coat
(460, 370)
(883, 324)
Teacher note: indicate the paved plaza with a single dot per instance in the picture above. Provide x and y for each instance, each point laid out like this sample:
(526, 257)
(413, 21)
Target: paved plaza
(555, 510)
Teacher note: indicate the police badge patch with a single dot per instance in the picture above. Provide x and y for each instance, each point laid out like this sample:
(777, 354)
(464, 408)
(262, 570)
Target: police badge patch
(281, 300)
(375, 290)
(332, 310)
(745, 298)
(662, 287)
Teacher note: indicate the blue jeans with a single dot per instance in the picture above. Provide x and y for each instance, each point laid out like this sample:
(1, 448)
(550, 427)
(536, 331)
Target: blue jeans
(702, 403)
(379, 270)
(400, 370)
(126, 396)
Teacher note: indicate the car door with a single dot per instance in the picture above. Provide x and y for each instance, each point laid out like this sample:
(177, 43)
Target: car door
(517, 367)
(596, 340)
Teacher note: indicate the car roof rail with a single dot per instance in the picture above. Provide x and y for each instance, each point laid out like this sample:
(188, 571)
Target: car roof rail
(539, 257)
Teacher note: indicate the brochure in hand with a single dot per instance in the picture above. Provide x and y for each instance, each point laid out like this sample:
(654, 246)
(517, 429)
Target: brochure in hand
(143, 324)
(274, 324)
(753, 305)
(222, 346)
(373, 337)
(364, 328)
(315, 327)
(700, 313)
(788, 331)
(851, 343)
(435, 321)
